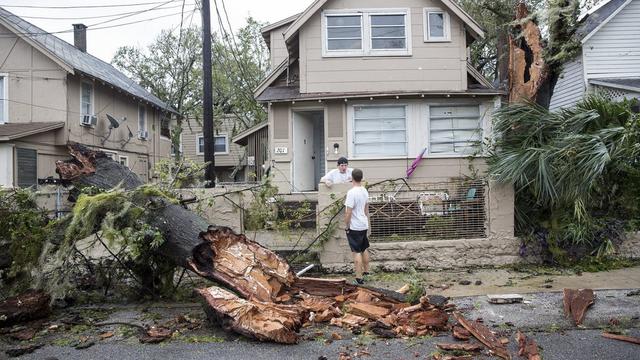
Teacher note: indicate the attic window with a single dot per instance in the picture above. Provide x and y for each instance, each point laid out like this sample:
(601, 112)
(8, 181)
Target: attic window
(366, 32)
(436, 25)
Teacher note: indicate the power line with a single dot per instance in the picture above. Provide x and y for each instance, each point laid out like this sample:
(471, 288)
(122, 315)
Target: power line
(134, 14)
(83, 6)
(93, 17)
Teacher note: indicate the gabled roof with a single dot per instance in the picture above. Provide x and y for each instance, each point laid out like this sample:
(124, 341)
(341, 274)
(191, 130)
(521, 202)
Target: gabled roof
(271, 77)
(14, 131)
(267, 29)
(473, 27)
(74, 60)
(241, 138)
(599, 18)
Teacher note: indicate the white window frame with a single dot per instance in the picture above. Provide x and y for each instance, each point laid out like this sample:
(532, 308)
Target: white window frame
(226, 144)
(351, 129)
(110, 154)
(4, 97)
(93, 103)
(366, 33)
(144, 123)
(447, 25)
(483, 129)
(201, 136)
(125, 158)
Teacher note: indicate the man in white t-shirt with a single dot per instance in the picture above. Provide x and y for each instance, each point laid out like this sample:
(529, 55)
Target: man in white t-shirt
(340, 175)
(357, 224)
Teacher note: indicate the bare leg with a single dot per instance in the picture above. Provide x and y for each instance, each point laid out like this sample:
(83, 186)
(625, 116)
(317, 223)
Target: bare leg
(365, 261)
(357, 260)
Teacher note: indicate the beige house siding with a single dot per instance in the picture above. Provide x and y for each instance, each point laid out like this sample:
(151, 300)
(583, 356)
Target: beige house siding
(277, 48)
(234, 157)
(41, 90)
(432, 168)
(431, 66)
(36, 84)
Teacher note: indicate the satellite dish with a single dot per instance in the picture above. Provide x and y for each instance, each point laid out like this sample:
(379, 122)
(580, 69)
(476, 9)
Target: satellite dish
(113, 122)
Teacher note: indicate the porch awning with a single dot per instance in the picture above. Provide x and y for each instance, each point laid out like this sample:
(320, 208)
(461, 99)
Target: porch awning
(14, 131)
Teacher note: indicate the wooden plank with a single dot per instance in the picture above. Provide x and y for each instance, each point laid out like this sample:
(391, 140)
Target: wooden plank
(484, 335)
(527, 347)
(630, 339)
(576, 302)
(368, 311)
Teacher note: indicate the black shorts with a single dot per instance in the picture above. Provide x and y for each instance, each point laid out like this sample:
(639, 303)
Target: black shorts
(358, 240)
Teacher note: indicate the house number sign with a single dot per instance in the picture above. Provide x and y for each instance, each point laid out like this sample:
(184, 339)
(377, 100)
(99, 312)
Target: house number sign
(281, 150)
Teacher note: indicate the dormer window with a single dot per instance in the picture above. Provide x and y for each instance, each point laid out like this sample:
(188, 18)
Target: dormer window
(436, 25)
(366, 32)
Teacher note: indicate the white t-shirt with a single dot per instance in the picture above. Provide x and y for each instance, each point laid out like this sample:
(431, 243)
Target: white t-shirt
(357, 198)
(336, 177)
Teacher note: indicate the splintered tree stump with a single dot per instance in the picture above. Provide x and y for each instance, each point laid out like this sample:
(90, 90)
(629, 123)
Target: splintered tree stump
(527, 347)
(30, 305)
(484, 335)
(259, 320)
(527, 68)
(576, 302)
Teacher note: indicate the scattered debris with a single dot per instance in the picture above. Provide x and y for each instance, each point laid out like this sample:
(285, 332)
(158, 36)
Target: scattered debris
(461, 333)
(464, 282)
(23, 349)
(156, 334)
(576, 302)
(478, 282)
(633, 293)
(505, 298)
(527, 347)
(30, 305)
(106, 335)
(24, 334)
(405, 289)
(630, 339)
(484, 335)
(460, 346)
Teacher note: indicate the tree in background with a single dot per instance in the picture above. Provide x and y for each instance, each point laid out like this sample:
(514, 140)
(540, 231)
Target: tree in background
(171, 66)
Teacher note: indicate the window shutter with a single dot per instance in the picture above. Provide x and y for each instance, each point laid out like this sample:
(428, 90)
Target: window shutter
(27, 167)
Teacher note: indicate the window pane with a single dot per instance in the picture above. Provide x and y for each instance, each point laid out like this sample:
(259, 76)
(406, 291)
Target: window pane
(27, 163)
(387, 20)
(201, 145)
(220, 144)
(344, 44)
(86, 99)
(388, 44)
(351, 20)
(455, 129)
(436, 25)
(380, 131)
(344, 32)
(388, 31)
(141, 118)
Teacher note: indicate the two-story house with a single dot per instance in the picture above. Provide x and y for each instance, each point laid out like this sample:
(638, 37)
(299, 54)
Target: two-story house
(389, 86)
(230, 158)
(53, 93)
(609, 58)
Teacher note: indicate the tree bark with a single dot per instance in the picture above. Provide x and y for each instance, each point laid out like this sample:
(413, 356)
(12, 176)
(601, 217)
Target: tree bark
(32, 304)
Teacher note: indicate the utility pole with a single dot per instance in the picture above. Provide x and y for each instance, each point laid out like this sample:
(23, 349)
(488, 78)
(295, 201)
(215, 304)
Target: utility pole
(207, 101)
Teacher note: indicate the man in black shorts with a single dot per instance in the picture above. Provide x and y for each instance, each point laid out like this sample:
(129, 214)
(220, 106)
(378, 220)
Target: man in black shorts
(357, 224)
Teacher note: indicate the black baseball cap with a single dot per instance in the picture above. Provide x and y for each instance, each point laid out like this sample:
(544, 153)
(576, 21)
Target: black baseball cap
(342, 160)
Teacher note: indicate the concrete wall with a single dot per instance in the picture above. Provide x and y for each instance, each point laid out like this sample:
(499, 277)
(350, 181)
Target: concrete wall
(431, 65)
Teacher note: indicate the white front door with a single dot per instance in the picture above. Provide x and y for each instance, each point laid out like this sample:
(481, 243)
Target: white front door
(303, 154)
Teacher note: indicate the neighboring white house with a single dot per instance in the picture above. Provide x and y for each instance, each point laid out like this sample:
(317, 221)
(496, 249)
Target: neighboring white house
(609, 60)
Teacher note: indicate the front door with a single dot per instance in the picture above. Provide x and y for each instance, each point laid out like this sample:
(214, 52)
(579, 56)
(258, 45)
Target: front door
(303, 158)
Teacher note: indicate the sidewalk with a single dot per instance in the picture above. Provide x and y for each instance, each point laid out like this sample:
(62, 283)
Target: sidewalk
(503, 281)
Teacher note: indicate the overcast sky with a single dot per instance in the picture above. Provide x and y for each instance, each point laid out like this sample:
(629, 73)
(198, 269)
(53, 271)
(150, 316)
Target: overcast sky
(166, 15)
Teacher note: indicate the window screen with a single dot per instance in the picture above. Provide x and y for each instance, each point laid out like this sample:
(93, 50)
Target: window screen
(380, 131)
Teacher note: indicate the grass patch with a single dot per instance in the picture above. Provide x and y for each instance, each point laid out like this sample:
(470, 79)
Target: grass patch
(200, 339)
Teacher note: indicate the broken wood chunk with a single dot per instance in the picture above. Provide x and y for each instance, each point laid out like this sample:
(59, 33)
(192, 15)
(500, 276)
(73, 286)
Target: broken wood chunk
(435, 319)
(435, 300)
(505, 298)
(30, 305)
(460, 346)
(460, 333)
(576, 302)
(484, 335)
(368, 311)
(527, 347)
(244, 265)
(156, 335)
(630, 339)
(353, 321)
(259, 320)
(404, 289)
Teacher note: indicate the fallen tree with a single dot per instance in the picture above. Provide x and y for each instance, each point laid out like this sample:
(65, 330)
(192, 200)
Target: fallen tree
(273, 302)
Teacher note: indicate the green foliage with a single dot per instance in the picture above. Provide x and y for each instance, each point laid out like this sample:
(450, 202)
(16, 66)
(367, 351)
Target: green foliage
(184, 173)
(575, 173)
(262, 211)
(121, 220)
(25, 227)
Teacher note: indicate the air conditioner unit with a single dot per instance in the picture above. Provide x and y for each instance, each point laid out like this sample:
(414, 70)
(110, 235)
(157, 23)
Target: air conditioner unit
(88, 120)
(143, 134)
